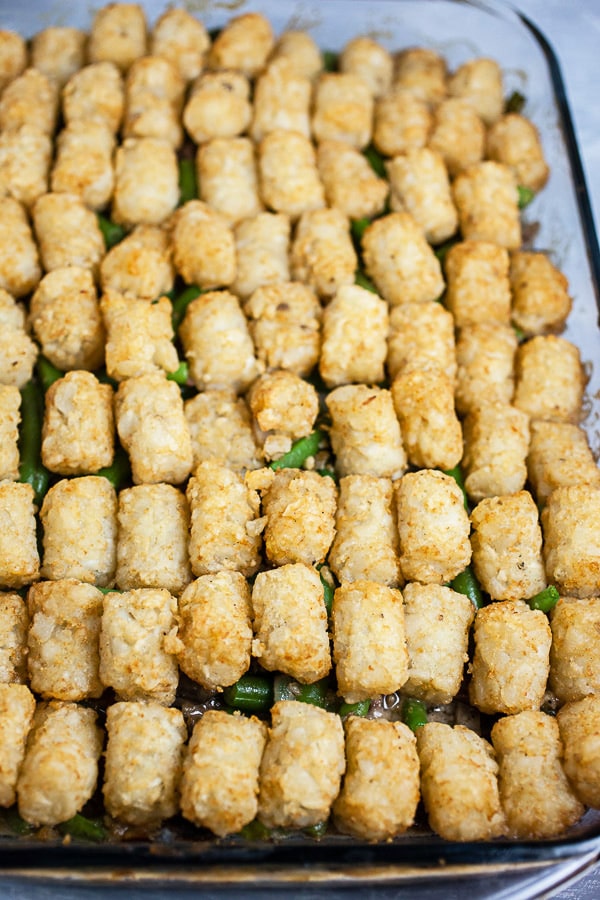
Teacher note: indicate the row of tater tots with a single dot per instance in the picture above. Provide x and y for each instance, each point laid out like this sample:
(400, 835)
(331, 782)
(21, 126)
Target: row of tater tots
(96, 122)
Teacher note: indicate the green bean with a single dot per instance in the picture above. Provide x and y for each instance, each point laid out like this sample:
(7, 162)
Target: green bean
(251, 693)
(526, 195)
(466, 583)
(545, 600)
(255, 831)
(86, 829)
(361, 708)
(188, 185)
(376, 160)
(111, 232)
(519, 333)
(180, 375)
(362, 281)
(119, 473)
(330, 60)
(328, 590)
(441, 251)
(286, 688)
(181, 303)
(358, 228)
(109, 590)
(328, 473)
(31, 470)
(16, 824)
(514, 103)
(457, 474)
(47, 373)
(301, 450)
(414, 713)
(316, 831)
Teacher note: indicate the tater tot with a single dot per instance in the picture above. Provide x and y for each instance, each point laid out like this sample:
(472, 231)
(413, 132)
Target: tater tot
(68, 233)
(365, 546)
(25, 159)
(96, 93)
(350, 183)
(354, 342)
(14, 624)
(437, 622)
(143, 761)
(570, 522)
(515, 141)
(261, 248)
(579, 726)
(154, 94)
(486, 199)
(380, 790)
(118, 34)
(214, 629)
(203, 246)
(510, 664)
(479, 83)
(18, 352)
(283, 404)
(19, 559)
(365, 432)
(300, 49)
(370, 61)
(139, 336)
(458, 134)
(218, 106)
(228, 177)
(59, 773)
(10, 418)
(485, 354)
(182, 39)
(152, 543)
(153, 429)
(219, 786)
(74, 507)
(288, 174)
(78, 433)
(369, 640)
(299, 507)
(13, 56)
(420, 186)
(224, 531)
(559, 455)
(536, 796)
(20, 269)
(301, 767)
(66, 320)
(421, 71)
(217, 343)
(140, 265)
(433, 527)
(342, 109)
(291, 636)
(401, 122)
(284, 322)
(31, 96)
(17, 706)
(477, 283)
(549, 379)
(59, 52)
(459, 783)
(282, 99)
(63, 650)
(400, 261)
(244, 43)
(496, 442)
(507, 546)
(540, 294)
(84, 163)
(220, 427)
(134, 660)
(574, 654)
(146, 182)
(431, 432)
(322, 254)
(421, 335)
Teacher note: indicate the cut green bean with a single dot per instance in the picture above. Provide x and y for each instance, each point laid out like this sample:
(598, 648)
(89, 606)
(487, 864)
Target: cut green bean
(441, 251)
(108, 590)
(466, 583)
(376, 160)
(328, 591)
(362, 281)
(330, 60)
(526, 195)
(180, 375)
(47, 373)
(457, 474)
(519, 332)
(86, 829)
(358, 228)
(31, 470)
(188, 185)
(545, 600)
(181, 303)
(255, 831)
(286, 688)
(301, 450)
(515, 102)
(316, 831)
(17, 824)
(414, 713)
(111, 232)
(251, 693)
(361, 708)
(328, 473)
(119, 473)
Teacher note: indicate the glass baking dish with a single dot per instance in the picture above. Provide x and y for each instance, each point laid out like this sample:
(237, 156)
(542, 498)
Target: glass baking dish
(558, 221)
